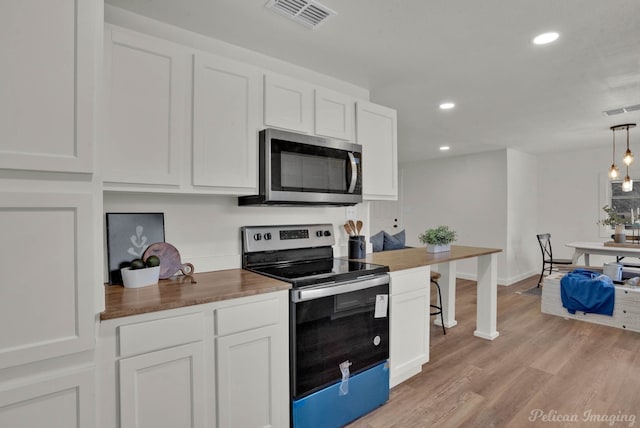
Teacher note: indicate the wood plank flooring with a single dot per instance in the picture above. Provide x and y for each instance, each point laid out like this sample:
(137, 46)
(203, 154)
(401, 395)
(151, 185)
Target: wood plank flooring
(542, 370)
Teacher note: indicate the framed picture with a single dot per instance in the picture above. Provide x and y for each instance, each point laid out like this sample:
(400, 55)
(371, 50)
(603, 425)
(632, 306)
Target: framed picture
(128, 236)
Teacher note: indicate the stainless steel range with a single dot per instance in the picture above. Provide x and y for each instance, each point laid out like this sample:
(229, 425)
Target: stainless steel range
(339, 325)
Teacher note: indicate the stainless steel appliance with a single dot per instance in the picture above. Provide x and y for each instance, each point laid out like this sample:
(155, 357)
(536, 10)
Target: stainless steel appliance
(339, 325)
(297, 169)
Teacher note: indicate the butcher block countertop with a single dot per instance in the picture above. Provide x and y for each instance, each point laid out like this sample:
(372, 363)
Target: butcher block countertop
(179, 291)
(409, 258)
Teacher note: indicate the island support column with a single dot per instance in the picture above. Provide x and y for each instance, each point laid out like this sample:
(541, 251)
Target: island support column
(448, 289)
(487, 300)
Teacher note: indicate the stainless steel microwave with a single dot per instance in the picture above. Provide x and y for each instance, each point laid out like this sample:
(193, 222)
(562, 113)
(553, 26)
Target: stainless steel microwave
(298, 169)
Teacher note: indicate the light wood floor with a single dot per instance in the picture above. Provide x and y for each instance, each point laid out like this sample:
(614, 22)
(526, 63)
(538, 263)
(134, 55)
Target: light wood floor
(569, 370)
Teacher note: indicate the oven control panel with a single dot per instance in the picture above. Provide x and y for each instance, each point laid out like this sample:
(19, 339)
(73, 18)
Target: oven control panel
(274, 238)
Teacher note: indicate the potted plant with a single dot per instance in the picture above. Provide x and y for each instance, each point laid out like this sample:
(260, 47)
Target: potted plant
(615, 221)
(439, 239)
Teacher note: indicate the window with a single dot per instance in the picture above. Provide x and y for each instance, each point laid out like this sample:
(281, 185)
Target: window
(625, 202)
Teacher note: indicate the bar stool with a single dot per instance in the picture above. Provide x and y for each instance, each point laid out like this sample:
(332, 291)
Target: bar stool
(434, 280)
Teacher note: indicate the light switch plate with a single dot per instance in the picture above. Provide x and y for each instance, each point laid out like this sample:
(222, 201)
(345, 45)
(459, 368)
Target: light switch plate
(350, 213)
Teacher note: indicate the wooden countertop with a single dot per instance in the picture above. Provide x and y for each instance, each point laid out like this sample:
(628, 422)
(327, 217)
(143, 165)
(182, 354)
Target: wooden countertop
(409, 258)
(178, 292)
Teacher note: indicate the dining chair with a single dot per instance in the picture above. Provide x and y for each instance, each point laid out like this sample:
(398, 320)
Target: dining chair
(548, 261)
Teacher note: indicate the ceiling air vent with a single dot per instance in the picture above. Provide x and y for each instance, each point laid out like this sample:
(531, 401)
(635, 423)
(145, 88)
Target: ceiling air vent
(621, 110)
(306, 12)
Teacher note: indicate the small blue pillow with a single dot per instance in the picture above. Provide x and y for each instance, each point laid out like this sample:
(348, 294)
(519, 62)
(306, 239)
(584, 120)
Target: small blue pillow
(400, 236)
(393, 242)
(377, 241)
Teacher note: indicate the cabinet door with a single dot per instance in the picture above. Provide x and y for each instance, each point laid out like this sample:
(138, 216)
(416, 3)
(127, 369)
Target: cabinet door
(226, 100)
(288, 104)
(250, 379)
(146, 92)
(377, 133)
(46, 89)
(46, 301)
(163, 389)
(65, 401)
(334, 114)
(409, 324)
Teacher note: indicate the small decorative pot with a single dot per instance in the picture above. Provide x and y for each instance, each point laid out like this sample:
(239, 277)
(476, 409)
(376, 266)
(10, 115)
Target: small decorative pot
(140, 277)
(431, 248)
(620, 238)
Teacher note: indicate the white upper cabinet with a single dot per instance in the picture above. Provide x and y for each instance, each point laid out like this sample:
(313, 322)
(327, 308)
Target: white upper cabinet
(377, 133)
(46, 89)
(288, 104)
(226, 102)
(334, 114)
(147, 96)
(46, 305)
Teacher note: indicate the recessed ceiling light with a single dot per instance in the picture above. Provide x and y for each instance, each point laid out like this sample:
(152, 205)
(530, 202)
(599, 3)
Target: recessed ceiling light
(447, 106)
(444, 148)
(545, 38)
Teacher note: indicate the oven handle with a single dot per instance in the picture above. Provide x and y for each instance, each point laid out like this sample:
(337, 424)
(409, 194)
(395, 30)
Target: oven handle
(354, 173)
(325, 290)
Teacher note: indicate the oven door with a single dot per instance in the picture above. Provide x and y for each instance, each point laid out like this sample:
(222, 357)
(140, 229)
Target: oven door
(307, 169)
(331, 325)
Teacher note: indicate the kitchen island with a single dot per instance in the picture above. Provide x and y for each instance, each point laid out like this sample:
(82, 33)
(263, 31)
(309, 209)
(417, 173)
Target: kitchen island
(409, 314)
(410, 258)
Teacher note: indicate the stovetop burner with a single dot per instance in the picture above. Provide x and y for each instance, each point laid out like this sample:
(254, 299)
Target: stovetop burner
(300, 254)
(316, 271)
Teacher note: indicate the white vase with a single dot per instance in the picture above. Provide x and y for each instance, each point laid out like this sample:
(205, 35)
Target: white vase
(438, 248)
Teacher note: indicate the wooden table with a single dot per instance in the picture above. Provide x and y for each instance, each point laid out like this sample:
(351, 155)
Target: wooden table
(486, 312)
(587, 248)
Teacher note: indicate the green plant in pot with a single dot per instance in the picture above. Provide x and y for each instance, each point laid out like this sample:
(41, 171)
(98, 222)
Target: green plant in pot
(438, 239)
(615, 221)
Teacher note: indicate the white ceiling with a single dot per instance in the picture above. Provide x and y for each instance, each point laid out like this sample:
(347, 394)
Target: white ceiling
(414, 54)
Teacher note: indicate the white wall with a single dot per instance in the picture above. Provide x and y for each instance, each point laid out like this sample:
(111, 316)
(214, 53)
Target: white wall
(206, 229)
(571, 196)
(467, 193)
(522, 250)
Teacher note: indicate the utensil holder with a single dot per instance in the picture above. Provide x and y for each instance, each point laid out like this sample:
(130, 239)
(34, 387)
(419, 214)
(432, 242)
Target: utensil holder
(357, 247)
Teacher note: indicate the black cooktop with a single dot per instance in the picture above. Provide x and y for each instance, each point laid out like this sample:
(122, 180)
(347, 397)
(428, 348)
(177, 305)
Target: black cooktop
(301, 274)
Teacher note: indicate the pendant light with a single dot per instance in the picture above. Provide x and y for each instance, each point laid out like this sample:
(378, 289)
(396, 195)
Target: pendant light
(627, 183)
(628, 156)
(614, 172)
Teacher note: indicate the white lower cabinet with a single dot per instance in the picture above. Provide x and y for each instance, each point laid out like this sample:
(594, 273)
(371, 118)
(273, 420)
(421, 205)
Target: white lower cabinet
(222, 364)
(54, 401)
(409, 323)
(248, 376)
(163, 389)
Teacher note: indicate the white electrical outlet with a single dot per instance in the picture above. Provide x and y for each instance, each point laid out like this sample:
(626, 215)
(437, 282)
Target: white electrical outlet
(350, 213)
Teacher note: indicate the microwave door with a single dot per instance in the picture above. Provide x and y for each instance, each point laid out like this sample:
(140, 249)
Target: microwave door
(297, 169)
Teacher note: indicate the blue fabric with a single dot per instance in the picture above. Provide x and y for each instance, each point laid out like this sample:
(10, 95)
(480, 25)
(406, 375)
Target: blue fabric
(377, 241)
(587, 291)
(393, 242)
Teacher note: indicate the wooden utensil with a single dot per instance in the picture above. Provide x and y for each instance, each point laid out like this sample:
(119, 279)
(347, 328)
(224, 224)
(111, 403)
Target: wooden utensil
(170, 262)
(358, 226)
(347, 229)
(352, 225)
